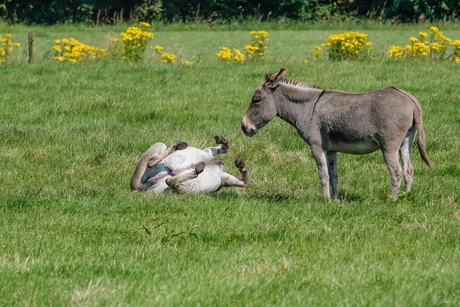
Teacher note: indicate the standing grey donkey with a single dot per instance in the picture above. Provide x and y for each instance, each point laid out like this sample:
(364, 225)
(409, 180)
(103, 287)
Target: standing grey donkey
(332, 121)
(184, 169)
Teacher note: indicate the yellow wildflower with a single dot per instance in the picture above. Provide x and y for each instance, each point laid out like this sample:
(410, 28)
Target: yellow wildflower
(145, 24)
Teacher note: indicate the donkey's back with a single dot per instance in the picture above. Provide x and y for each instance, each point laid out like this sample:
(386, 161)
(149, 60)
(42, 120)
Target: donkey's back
(359, 123)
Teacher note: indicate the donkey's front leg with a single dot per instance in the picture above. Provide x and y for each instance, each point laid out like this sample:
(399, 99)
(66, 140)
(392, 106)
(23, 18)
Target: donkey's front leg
(320, 157)
(239, 163)
(222, 148)
(332, 171)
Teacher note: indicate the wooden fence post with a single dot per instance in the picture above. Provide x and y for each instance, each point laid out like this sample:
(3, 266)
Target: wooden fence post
(31, 51)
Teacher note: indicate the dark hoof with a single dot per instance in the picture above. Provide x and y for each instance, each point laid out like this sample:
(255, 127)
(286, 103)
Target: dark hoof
(179, 145)
(239, 163)
(199, 168)
(221, 140)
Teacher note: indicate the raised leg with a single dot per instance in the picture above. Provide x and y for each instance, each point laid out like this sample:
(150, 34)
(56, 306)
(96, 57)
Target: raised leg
(332, 171)
(405, 154)
(155, 149)
(176, 182)
(391, 159)
(320, 157)
(231, 181)
(222, 148)
(239, 163)
(158, 157)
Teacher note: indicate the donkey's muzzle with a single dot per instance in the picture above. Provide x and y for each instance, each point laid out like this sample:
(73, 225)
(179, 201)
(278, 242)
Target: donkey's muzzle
(248, 127)
(248, 131)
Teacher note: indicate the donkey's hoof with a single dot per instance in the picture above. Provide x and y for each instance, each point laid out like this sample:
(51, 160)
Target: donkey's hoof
(179, 145)
(221, 140)
(239, 163)
(199, 168)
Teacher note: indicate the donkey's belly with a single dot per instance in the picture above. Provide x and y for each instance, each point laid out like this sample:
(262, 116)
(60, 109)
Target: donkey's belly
(184, 161)
(208, 181)
(354, 147)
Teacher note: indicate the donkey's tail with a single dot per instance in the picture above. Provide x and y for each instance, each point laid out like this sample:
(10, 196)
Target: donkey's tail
(418, 127)
(421, 137)
(420, 132)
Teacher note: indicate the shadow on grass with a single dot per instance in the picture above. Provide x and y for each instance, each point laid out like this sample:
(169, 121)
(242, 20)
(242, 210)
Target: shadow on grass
(344, 197)
(265, 197)
(350, 197)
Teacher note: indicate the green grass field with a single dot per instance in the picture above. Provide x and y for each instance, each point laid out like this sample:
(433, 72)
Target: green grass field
(72, 232)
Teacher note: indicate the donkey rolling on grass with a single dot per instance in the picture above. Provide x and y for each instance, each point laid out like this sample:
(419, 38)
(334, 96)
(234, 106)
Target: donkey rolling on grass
(184, 169)
(332, 121)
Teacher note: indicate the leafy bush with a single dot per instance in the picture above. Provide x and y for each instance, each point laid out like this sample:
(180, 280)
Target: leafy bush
(211, 11)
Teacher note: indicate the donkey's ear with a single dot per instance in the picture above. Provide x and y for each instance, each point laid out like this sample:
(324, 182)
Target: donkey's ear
(275, 79)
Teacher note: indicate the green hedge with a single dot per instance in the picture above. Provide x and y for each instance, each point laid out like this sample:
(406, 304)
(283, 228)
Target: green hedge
(107, 11)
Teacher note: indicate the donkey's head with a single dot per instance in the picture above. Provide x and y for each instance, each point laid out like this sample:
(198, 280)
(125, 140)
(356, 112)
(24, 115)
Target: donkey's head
(262, 108)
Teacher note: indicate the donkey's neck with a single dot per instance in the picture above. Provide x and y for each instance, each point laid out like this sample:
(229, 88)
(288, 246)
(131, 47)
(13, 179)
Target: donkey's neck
(294, 102)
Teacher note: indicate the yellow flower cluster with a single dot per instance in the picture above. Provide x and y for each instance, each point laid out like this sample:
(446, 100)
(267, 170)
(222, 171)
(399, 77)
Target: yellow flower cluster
(456, 52)
(6, 47)
(165, 57)
(168, 57)
(73, 51)
(346, 46)
(132, 43)
(131, 47)
(232, 57)
(257, 49)
(434, 48)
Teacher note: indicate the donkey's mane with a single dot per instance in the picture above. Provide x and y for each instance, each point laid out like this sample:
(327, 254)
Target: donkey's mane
(295, 83)
(299, 84)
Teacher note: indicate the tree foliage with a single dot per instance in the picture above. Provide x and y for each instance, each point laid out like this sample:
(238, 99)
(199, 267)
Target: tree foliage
(107, 11)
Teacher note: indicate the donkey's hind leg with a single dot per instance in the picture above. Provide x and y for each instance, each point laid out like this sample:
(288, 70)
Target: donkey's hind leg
(405, 153)
(222, 148)
(231, 181)
(136, 179)
(176, 182)
(392, 161)
(158, 156)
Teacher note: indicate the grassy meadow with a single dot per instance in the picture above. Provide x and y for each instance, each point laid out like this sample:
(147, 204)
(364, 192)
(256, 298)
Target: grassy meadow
(72, 232)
